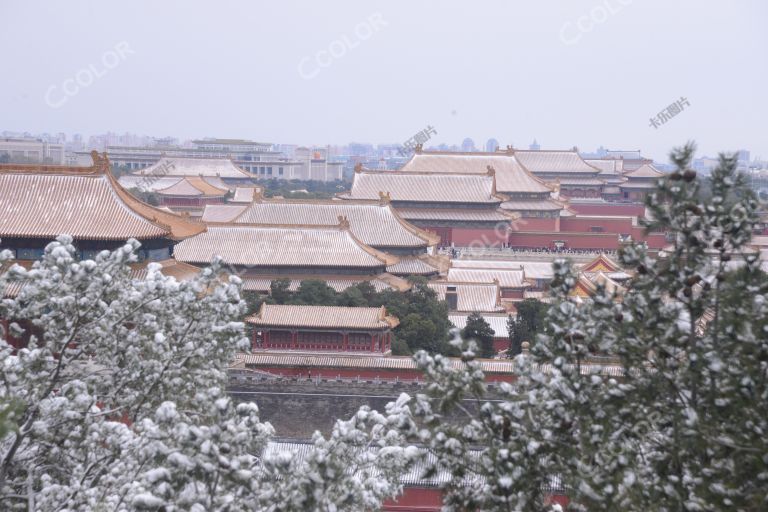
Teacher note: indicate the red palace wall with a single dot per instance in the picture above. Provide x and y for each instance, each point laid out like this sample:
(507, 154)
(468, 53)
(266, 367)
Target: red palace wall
(615, 226)
(416, 499)
(500, 344)
(22, 342)
(607, 241)
(581, 240)
(536, 224)
(654, 240)
(578, 224)
(478, 237)
(423, 499)
(630, 209)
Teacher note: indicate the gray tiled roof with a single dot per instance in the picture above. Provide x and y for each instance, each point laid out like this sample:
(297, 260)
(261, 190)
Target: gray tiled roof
(471, 296)
(275, 246)
(208, 167)
(508, 278)
(372, 223)
(423, 187)
(80, 202)
(510, 175)
(554, 162)
(275, 315)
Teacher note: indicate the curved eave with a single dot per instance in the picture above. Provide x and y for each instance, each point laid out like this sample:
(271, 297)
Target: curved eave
(52, 236)
(384, 257)
(430, 238)
(176, 226)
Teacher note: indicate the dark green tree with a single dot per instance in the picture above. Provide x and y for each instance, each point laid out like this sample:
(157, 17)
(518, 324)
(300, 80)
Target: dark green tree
(530, 321)
(533, 313)
(423, 318)
(352, 297)
(419, 333)
(517, 330)
(279, 290)
(400, 347)
(314, 292)
(477, 329)
(145, 196)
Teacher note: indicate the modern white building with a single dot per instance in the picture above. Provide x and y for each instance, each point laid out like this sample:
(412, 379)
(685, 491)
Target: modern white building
(256, 158)
(32, 150)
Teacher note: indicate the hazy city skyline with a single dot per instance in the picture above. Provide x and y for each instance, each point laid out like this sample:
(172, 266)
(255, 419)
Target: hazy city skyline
(377, 73)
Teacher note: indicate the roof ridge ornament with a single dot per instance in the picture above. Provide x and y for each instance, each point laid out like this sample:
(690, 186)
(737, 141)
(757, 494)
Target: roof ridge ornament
(358, 167)
(100, 161)
(384, 198)
(419, 148)
(343, 223)
(492, 175)
(510, 149)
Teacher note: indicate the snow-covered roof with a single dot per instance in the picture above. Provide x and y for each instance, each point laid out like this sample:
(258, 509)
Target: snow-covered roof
(85, 202)
(274, 315)
(423, 187)
(207, 167)
(554, 162)
(480, 297)
(281, 246)
(498, 323)
(510, 175)
(373, 223)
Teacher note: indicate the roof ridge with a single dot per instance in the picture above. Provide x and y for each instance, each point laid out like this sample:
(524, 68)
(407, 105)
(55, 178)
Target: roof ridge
(428, 236)
(471, 283)
(99, 167)
(489, 268)
(283, 200)
(130, 202)
(386, 258)
(423, 173)
(232, 224)
(498, 153)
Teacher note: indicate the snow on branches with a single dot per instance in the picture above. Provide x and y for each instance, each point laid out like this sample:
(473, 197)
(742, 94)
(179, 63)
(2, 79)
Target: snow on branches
(119, 400)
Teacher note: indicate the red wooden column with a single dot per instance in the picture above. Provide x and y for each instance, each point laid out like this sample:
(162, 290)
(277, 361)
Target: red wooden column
(294, 339)
(345, 341)
(266, 339)
(373, 342)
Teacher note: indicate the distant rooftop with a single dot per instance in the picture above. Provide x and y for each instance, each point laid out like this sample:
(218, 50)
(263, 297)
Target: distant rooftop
(205, 167)
(242, 142)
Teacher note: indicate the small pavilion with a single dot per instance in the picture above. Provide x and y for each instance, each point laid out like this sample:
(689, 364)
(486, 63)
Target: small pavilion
(322, 328)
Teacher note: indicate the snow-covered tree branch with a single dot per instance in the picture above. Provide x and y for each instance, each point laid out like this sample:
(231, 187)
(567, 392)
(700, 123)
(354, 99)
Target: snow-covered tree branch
(119, 401)
(684, 426)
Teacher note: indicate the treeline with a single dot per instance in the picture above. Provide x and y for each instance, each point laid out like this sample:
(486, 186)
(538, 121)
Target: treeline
(302, 189)
(424, 323)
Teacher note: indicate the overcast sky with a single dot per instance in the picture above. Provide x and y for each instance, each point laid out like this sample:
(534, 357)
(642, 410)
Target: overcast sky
(569, 73)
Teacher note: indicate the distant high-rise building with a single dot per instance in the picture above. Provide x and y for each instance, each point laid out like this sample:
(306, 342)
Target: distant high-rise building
(166, 141)
(743, 155)
(534, 146)
(360, 149)
(492, 145)
(468, 145)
